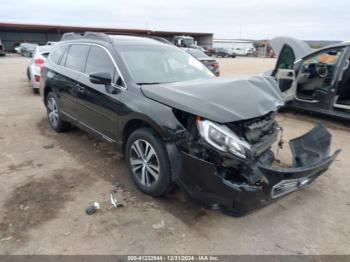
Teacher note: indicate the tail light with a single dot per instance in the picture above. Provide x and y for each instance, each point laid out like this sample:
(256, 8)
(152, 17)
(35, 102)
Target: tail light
(37, 78)
(39, 62)
(215, 65)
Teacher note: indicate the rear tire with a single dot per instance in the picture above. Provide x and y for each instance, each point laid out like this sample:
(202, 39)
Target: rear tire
(148, 162)
(54, 115)
(35, 90)
(28, 74)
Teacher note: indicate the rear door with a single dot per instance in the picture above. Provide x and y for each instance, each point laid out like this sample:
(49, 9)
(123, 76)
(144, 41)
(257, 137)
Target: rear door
(61, 79)
(72, 64)
(99, 107)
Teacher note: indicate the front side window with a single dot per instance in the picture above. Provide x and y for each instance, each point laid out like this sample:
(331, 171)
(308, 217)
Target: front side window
(156, 65)
(99, 61)
(76, 57)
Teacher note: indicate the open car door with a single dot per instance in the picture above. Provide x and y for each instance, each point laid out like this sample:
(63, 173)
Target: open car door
(289, 50)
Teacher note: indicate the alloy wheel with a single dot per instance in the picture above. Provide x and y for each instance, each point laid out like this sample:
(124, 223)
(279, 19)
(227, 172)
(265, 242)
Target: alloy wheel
(53, 111)
(144, 162)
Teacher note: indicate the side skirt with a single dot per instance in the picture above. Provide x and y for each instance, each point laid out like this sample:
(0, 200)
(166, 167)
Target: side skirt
(90, 130)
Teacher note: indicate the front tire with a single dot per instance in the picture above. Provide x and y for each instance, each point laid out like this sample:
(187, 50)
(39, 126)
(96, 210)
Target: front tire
(54, 114)
(148, 162)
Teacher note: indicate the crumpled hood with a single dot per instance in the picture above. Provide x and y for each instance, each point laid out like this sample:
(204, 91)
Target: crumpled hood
(222, 99)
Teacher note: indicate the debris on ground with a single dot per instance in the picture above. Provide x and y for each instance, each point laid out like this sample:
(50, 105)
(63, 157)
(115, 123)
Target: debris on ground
(23, 207)
(6, 239)
(158, 225)
(92, 208)
(114, 200)
(50, 146)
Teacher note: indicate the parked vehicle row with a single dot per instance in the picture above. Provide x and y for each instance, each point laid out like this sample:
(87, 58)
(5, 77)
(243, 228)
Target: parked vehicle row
(208, 61)
(26, 49)
(2, 49)
(223, 52)
(177, 123)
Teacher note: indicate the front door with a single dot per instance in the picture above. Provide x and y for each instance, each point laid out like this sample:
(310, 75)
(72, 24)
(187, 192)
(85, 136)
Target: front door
(72, 64)
(284, 72)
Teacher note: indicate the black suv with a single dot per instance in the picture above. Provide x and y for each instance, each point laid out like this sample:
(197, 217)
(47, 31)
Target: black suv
(176, 123)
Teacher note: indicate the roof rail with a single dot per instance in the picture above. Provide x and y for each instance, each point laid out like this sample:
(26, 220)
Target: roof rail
(71, 36)
(158, 38)
(105, 37)
(90, 35)
(98, 35)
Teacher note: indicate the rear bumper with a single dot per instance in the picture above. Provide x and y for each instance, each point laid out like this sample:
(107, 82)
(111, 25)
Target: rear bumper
(34, 70)
(204, 183)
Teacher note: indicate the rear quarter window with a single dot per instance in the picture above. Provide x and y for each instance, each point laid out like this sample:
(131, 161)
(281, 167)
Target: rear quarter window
(76, 57)
(57, 53)
(46, 54)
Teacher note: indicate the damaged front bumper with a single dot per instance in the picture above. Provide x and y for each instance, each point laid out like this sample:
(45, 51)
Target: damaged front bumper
(204, 182)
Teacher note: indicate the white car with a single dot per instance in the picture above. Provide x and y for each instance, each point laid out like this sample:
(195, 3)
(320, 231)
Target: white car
(239, 51)
(36, 63)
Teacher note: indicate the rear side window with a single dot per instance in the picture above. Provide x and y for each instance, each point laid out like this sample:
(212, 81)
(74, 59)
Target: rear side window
(76, 57)
(57, 54)
(45, 54)
(99, 61)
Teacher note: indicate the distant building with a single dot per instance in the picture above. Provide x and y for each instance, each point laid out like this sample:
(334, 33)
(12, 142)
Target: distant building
(238, 46)
(12, 34)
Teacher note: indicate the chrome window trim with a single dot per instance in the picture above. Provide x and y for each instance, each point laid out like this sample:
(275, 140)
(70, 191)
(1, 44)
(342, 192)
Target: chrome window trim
(106, 50)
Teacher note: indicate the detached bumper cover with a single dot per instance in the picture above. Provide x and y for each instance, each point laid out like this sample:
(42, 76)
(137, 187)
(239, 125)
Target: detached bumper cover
(311, 157)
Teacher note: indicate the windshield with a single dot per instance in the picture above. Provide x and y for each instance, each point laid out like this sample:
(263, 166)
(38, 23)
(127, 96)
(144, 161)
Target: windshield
(156, 65)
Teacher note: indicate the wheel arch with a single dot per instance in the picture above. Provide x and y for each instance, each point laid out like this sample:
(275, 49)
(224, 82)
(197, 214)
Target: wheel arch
(172, 149)
(133, 124)
(46, 90)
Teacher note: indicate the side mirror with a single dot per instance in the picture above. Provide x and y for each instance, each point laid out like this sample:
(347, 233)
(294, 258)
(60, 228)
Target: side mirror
(101, 78)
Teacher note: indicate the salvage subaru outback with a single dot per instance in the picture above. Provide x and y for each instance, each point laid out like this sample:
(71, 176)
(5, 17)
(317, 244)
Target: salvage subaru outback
(177, 123)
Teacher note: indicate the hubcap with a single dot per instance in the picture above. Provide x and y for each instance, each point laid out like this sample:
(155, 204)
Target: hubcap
(144, 162)
(53, 111)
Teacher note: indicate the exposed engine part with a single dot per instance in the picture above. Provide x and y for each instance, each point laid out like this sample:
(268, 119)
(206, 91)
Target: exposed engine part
(260, 132)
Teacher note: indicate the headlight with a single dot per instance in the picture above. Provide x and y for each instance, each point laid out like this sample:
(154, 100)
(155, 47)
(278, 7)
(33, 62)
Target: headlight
(222, 138)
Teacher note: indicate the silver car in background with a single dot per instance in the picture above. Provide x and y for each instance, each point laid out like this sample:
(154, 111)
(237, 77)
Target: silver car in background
(36, 63)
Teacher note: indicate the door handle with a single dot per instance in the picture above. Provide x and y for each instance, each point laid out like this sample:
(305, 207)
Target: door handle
(81, 89)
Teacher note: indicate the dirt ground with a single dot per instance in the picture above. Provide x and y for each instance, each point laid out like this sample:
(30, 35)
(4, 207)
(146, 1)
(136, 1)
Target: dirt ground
(48, 179)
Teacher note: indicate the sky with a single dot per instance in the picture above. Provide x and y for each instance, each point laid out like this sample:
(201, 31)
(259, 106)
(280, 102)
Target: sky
(249, 19)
